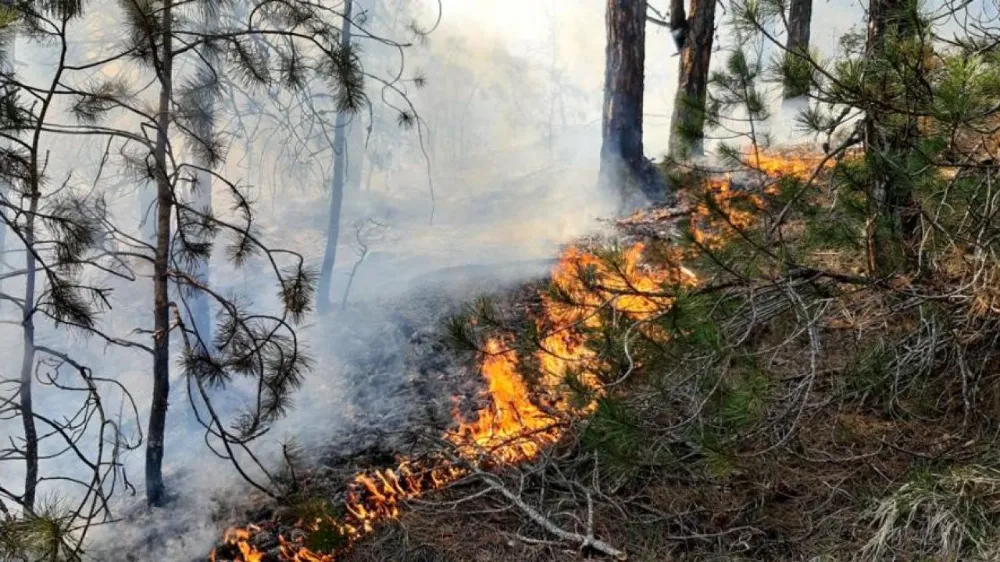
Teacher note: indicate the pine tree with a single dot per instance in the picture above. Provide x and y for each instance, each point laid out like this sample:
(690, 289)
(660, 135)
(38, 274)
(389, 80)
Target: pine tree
(623, 164)
(696, 33)
(283, 44)
(61, 229)
(797, 41)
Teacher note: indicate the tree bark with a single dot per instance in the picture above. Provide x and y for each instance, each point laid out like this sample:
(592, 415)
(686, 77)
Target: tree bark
(28, 354)
(161, 300)
(687, 133)
(201, 314)
(622, 161)
(799, 23)
(336, 188)
(8, 66)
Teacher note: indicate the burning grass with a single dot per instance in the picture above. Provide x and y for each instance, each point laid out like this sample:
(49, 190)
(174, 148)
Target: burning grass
(519, 421)
(534, 395)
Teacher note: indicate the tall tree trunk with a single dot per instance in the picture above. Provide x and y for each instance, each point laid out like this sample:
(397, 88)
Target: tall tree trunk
(161, 300)
(8, 66)
(354, 155)
(799, 23)
(201, 314)
(336, 188)
(28, 356)
(687, 129)
(888, 142)
(4, 191)
(622, 159)
(28, 307)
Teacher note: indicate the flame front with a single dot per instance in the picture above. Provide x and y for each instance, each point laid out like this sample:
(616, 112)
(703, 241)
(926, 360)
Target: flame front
(512, 428)
(519, 422)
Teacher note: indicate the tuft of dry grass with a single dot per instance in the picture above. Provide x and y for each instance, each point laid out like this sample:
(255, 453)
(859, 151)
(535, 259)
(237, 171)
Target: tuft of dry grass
(950, 516)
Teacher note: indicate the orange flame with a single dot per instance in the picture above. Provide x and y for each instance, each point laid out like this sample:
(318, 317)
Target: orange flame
(796, 163)
(512, 428)
(520, 422)
(719, 209)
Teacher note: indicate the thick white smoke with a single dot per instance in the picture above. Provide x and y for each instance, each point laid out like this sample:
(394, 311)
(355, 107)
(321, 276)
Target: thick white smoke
(512, 112)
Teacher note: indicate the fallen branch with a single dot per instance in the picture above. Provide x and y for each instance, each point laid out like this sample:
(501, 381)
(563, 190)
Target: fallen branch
(584, 541)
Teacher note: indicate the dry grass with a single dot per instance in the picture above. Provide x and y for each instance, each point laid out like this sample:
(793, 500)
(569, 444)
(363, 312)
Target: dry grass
(947, 516)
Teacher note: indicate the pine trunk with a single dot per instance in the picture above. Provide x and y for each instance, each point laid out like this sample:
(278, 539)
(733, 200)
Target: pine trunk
(622, 158)
(799, 22)
(337, 180)
(28, 357)
(28, 307)
(161, 301)
(687, 125)
(201, 313)
(7, 66)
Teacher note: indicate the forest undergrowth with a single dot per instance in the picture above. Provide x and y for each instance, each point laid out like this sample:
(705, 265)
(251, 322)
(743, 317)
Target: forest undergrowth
(744, 389)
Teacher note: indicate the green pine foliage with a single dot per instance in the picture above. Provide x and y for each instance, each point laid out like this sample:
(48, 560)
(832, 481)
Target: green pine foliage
(828, 386)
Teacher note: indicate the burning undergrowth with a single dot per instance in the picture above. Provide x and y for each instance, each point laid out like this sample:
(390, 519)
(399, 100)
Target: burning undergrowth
(538, 370)
(510, 420)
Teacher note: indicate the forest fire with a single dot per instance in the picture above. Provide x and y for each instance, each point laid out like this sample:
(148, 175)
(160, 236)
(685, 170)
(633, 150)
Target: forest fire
(520, 420)
(518, 423)
(719, 207)
(795, 163)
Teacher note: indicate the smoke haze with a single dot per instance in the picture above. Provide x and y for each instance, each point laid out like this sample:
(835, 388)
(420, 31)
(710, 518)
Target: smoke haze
(508, 145)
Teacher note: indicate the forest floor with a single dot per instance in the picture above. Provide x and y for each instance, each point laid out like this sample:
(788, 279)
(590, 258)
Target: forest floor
(804, 414)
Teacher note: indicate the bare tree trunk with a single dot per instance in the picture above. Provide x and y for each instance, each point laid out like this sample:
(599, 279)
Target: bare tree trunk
(355, 155)
(623, 164)
(28, 357)
(799, 23)
(8, 66)
(4, 190)
(687, 134)
(161, 299)
(201, 314)
(28, 307)
(336, 188)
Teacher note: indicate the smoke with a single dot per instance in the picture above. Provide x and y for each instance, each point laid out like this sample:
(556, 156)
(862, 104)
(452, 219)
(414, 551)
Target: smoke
(508, 143)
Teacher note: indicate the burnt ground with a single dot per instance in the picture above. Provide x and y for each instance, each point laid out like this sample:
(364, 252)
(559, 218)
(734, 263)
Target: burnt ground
(401, 384)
